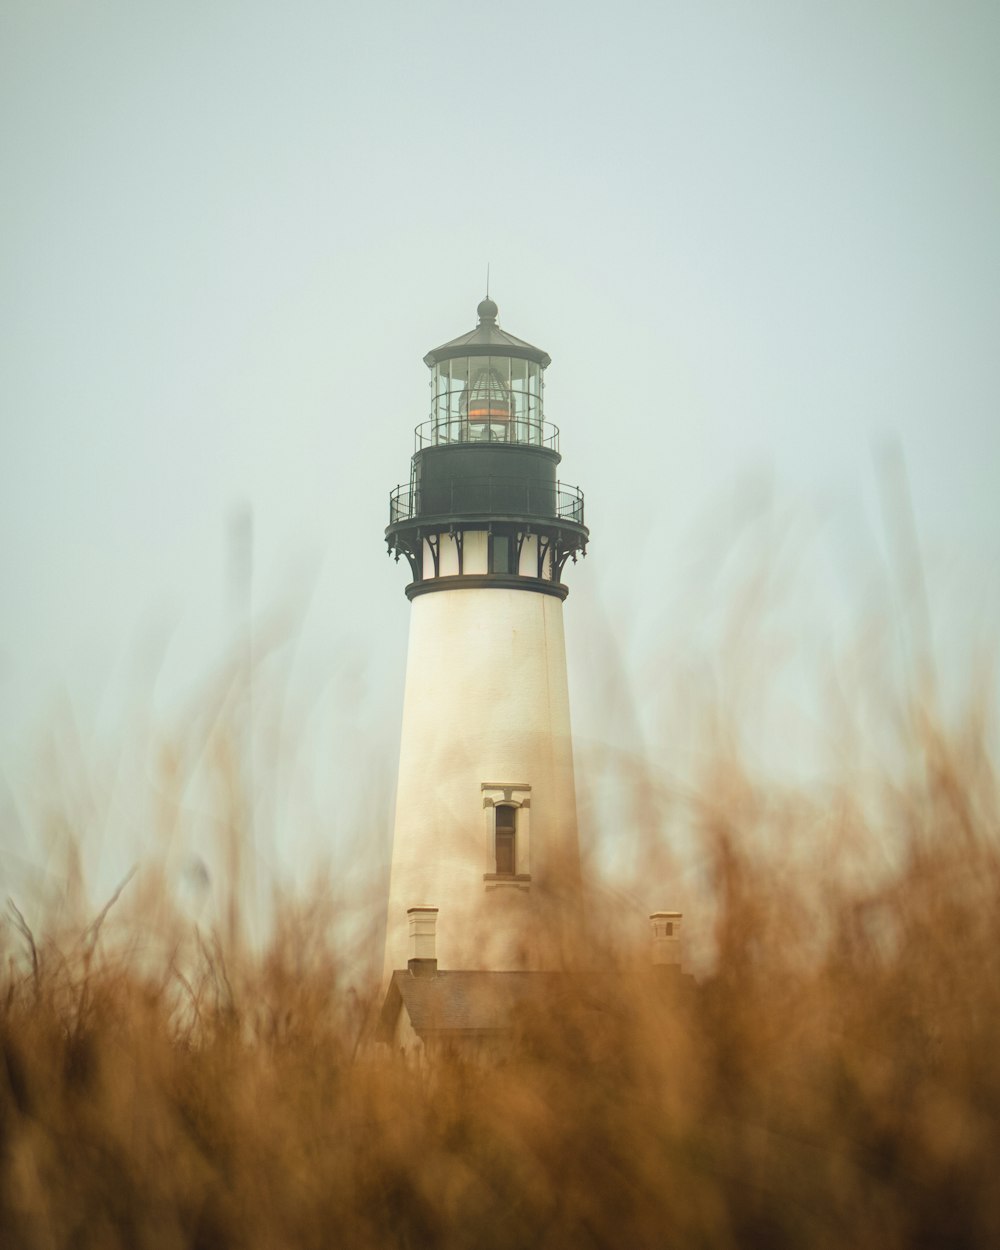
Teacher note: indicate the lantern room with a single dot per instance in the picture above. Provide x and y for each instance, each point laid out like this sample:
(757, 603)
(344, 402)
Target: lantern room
(486, 387)
(483, 500)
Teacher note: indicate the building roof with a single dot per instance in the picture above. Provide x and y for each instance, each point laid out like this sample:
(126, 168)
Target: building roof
(487, 339)
(464, 1002)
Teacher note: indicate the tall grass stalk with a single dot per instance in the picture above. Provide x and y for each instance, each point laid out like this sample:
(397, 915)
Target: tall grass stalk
(833, 1079)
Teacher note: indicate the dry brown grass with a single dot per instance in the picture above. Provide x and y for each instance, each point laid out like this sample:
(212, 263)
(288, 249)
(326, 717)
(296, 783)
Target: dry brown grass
(833, 1081)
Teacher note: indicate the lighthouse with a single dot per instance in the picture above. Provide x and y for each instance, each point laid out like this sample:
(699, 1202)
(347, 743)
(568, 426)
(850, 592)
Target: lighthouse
(485, 857)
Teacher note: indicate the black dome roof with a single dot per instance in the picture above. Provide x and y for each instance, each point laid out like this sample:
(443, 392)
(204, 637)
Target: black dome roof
(487, 339)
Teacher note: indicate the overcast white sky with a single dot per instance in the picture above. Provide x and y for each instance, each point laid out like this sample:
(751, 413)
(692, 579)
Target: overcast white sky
(757, 240)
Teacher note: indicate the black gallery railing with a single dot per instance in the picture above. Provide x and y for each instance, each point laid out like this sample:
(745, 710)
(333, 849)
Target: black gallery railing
(483, 496)
(442, 431)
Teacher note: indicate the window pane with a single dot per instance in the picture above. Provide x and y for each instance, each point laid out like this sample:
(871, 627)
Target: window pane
(505, 852)
(505, 817)
(459, 379)
(439, 401)
(458, 376)
(500, 556)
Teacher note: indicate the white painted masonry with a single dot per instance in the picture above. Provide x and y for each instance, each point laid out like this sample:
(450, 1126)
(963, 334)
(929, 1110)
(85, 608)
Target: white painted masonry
(485, 720)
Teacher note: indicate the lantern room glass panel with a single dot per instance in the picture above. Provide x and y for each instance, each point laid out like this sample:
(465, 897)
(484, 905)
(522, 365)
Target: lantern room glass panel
(443, 405)
(439, 402)
(519, 401)
(486, 399)
(456, 395)
(534, 414)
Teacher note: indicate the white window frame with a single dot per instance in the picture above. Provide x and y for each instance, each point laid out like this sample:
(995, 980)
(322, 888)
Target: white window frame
(507, 794)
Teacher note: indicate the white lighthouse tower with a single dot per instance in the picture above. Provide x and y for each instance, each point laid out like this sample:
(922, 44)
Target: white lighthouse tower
(485, 853)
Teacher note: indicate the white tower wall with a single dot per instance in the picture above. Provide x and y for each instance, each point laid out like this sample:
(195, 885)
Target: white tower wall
(485, 720)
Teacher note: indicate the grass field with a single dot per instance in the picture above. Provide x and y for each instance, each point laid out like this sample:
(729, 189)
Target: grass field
(833, 1081)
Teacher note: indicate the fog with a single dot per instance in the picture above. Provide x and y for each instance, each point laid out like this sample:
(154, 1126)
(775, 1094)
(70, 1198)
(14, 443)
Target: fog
(759, 243)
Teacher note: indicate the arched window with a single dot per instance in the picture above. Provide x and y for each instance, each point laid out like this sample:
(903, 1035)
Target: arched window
(505, 839)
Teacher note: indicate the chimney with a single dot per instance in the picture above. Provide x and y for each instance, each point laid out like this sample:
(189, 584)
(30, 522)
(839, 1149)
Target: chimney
(422, 960)
(666, 938)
